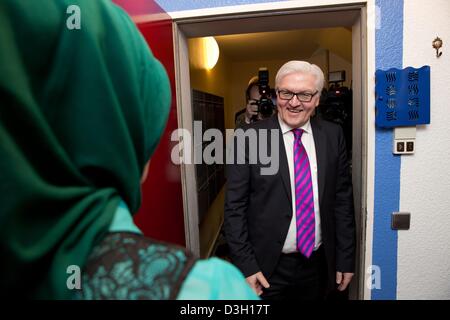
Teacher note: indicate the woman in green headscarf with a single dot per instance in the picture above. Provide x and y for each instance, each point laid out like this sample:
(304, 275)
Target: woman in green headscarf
(81, 112)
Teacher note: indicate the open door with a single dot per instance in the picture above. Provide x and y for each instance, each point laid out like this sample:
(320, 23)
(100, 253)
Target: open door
(359, 139)
(161, 213)
(282, 18)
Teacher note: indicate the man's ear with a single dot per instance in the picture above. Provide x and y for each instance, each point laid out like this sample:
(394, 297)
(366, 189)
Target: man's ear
(317, 101)
(145, 172)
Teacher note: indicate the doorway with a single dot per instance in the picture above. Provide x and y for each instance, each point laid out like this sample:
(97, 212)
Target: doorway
(277, 21)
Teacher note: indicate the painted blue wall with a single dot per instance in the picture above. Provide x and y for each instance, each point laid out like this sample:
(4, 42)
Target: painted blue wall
(389, 53)
(179, 5)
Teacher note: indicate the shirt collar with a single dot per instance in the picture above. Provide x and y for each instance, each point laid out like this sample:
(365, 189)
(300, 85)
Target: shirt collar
(286, 128)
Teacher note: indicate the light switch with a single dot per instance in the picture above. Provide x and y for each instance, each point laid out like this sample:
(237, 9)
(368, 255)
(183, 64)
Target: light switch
(404, 140)
(409, 146)
(400, 146)
(400, 220)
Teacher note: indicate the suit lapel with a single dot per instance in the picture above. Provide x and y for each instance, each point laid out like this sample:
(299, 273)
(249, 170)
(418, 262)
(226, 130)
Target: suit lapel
(283, 163)
(320, 143)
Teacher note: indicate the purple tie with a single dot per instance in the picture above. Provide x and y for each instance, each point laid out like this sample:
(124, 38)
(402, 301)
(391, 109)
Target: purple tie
(304, 200)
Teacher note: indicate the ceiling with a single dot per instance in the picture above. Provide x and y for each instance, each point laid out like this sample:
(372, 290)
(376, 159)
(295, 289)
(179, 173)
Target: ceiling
(292, 34)
(281, 45)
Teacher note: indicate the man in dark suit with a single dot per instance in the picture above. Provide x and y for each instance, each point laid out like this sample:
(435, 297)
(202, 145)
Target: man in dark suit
(292, 233)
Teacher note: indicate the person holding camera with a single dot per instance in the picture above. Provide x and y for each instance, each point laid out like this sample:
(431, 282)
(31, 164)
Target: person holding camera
(292, 233)
(252, 113)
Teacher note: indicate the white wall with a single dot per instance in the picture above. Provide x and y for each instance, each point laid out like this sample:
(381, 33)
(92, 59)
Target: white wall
(424, 251)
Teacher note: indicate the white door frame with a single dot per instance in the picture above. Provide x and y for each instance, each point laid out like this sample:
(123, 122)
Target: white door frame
(276, 17)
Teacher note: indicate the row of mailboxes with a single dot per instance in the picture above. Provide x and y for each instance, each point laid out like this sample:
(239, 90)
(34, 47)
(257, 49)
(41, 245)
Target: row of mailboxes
(209, 109)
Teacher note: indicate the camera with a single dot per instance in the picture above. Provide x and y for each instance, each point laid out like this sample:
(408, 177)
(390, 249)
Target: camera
(336, 105)
(265, 104)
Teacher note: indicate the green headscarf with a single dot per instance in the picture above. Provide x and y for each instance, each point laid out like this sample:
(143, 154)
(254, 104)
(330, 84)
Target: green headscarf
(81, 112)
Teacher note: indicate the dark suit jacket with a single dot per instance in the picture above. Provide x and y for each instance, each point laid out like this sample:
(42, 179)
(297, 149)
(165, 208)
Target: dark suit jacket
(258, 208)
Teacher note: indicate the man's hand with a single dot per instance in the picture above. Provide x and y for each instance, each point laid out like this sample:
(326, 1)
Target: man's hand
(343, 279)
(257, 281)
(251, 110)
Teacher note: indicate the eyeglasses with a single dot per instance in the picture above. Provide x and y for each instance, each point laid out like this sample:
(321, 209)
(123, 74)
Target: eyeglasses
(301, 96)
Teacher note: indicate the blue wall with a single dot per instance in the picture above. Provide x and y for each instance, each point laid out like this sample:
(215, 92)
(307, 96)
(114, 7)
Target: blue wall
(179, 5)
(389, 53)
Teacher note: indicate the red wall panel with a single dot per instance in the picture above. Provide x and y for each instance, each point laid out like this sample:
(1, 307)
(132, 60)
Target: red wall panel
(161, 213)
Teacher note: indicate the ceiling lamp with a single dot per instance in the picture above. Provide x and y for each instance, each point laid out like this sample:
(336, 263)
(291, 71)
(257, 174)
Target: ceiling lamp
(203, 52)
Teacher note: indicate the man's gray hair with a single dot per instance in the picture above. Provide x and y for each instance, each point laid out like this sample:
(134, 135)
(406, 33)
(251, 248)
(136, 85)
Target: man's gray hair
(295, 66)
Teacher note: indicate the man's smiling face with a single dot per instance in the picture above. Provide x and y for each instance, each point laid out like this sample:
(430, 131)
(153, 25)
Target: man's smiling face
(296, 113)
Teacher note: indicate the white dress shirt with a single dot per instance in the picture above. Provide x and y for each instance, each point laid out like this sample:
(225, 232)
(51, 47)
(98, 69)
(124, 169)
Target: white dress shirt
(308, 142)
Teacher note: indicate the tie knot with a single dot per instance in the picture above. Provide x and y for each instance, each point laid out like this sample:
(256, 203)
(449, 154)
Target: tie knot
(297, 133)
